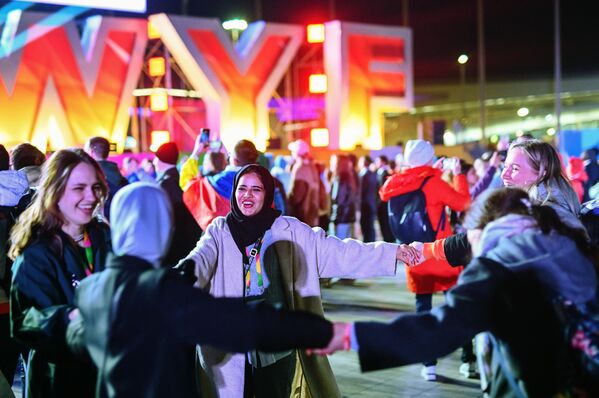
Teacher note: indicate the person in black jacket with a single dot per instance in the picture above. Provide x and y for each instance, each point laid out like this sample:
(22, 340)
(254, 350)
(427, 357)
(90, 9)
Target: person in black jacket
(508, 290)
(344, 196)
(140, 322)
(187, 231)
(56, 243)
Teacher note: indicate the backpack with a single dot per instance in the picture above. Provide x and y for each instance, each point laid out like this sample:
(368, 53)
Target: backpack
(409, 219)
(580, 328)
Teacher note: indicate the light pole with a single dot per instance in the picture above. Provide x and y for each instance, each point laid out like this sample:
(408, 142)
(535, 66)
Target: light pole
(462, 60)
(235, 26)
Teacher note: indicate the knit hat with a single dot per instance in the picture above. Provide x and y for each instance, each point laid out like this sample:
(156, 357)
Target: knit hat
(168, 153)
(418, 153)
(299, 148)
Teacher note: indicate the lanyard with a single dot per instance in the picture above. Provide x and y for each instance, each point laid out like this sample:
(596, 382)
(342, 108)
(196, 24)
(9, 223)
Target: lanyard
(252, 254)
(89, 254)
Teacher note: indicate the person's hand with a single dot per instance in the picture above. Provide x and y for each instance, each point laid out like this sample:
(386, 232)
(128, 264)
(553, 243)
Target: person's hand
(199, 147)
(407, 254)
(439, 163)
(73, 314)
(419, 247)
(495, 160)
(474, 238)
(456, 166)
(339, 341)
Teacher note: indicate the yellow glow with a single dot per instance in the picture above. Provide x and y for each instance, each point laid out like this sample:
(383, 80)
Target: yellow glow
(235, 24)
(353, 131)
(494, 139)
(315, 33)
(157, 66)
(55, 135)
(157, 138)
(522, 112)
(550, 131)
(462, 59)
(319, 137)
(159, 101)
(318, 84)
(152, 32)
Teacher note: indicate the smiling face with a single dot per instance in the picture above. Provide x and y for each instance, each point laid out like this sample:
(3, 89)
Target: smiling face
(80, 198)
(518, 172)
(250, 194)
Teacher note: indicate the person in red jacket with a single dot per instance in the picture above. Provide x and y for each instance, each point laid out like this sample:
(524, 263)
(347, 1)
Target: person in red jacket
(432, 275)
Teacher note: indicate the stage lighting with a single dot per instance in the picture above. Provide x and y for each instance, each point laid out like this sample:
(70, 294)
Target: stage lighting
(318, 84)
(315, 33)
(319, 137)
(157, 66)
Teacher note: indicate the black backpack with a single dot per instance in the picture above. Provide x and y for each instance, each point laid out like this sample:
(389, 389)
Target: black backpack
(409, 219)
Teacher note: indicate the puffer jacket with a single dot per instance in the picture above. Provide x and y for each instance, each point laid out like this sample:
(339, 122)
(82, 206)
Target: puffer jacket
(432, 275)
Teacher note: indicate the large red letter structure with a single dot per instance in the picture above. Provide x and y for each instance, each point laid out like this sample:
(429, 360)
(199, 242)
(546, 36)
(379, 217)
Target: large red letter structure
(56, 91)
(369, 71)
(236, 81)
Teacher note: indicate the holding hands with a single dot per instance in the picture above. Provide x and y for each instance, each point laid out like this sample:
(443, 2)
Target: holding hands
(410, 254)
(341, 340)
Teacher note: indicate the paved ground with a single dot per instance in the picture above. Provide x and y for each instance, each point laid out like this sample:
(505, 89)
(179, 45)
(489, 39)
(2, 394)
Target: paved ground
(382, 299)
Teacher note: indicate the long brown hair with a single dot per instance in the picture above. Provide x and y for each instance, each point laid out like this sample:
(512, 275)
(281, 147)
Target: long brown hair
(345, 172)
(43, 215)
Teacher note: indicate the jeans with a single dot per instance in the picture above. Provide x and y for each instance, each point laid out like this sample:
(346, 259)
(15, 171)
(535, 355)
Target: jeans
(343, 231)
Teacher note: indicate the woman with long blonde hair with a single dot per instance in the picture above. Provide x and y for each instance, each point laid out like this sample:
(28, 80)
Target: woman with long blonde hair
(57, 241)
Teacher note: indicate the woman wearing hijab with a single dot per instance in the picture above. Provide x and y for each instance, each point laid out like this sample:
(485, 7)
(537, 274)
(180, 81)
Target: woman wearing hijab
(135, 310)
(259, 255)
(56, 243)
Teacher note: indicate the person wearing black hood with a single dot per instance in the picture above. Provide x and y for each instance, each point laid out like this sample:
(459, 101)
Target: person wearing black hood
(257, 254)
(140, 321)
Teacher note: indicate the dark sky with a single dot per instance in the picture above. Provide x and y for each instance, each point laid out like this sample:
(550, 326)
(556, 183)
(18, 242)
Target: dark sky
(518, 33)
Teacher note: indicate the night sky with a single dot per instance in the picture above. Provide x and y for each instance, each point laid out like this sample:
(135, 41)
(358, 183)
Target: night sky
(518, 33)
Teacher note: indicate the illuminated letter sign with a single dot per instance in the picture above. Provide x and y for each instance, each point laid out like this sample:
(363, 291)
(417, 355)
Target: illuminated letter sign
(369, 71)
(58, 88)
(236, 81)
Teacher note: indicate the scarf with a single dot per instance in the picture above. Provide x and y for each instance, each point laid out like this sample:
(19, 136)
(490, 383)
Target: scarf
(247, 230)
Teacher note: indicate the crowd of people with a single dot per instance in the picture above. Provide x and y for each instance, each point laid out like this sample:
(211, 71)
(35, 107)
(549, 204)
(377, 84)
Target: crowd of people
(203, 277)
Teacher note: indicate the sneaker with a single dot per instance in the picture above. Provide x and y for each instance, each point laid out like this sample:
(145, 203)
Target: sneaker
(429, 373)
(468, 369)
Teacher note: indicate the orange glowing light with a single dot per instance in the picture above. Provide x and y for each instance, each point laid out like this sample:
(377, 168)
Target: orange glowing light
(315, 33)
(157, 138)
(157, 66)
(318, 84)
(159, 101)
(153, 34)
(319, 137)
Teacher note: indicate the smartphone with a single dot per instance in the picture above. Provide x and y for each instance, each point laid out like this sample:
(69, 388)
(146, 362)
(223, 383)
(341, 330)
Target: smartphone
(205, 136)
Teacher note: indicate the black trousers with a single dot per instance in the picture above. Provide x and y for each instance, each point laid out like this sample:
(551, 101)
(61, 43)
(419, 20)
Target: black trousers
(9, 350)
(273, 381)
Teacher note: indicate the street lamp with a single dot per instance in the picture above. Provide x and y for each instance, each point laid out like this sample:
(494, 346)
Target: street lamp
(235, 26)
(462, 59)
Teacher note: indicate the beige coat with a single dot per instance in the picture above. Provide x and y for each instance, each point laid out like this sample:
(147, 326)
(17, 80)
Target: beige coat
(305, 255)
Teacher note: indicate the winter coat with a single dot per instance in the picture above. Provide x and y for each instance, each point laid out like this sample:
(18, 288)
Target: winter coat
(141, 325)
(42, 293)
(305, 254)
(432, 275)
(305, 192)
(343, 202)
(509, 292)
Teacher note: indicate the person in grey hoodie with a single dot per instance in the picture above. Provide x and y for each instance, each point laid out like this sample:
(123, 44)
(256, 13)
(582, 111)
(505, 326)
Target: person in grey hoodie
(140, 322)
(507, 290)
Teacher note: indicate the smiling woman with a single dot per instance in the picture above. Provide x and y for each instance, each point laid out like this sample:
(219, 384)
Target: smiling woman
(263, 257)
(56, 243)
